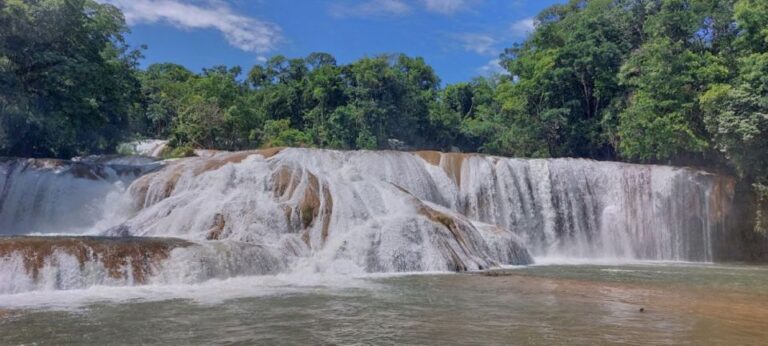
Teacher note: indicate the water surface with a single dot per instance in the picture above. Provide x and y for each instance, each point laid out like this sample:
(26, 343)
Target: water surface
(551, 304)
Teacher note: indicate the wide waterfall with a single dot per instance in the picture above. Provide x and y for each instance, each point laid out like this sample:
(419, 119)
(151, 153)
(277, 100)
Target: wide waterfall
(225, 214)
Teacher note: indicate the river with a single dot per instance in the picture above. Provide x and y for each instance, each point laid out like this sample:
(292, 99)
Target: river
(582, 304)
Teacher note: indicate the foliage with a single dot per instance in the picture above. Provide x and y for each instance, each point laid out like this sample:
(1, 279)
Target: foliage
(278, 133)
(306, 102)
(178, 152)
(67, 82)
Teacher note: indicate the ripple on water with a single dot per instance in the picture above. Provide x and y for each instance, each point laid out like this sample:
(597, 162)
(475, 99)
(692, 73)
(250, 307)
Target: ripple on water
(539, 305)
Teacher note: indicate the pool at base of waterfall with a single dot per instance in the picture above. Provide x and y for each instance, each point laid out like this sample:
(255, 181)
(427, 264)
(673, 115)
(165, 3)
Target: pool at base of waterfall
(640, 303)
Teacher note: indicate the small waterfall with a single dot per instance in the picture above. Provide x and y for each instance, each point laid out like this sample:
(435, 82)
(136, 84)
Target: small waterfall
(289, 210)
(56, 196)
(59, 263)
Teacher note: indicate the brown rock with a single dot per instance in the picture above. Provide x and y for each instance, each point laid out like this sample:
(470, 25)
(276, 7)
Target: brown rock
(451, 163)
(214, 233)
(140, 254)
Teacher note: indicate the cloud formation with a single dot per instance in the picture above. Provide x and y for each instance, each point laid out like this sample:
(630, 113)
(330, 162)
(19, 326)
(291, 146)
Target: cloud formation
(246, 33)
(523, 27)
(392, 8)
(445, 6)
(370, 8)
(493, 67)
(488, 44)
(478, 43)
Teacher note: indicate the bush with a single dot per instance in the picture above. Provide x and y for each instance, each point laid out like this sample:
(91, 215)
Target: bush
(179, 152)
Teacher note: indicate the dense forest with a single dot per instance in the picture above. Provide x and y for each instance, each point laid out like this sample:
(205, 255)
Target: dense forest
(672, 81)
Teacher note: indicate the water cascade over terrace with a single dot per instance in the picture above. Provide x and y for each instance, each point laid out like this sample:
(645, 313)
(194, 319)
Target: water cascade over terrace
(271, 211)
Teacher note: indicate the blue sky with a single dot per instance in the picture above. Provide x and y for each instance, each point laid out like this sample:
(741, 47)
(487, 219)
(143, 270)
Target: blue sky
(459, 38)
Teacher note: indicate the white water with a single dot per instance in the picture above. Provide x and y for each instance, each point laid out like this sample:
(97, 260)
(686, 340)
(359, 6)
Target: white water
(351, 213)
(53, 196)
(186, 265)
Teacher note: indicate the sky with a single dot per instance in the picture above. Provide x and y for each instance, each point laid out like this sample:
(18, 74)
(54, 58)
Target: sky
(460, 39)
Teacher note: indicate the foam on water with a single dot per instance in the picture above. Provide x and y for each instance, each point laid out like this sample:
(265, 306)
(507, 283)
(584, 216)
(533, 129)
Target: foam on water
(213, 291)
(619, 261)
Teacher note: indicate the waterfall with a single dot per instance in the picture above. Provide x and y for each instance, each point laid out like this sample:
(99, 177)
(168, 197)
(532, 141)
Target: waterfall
(57, 196)
(58, 263)
(588, 209)
(283, 210)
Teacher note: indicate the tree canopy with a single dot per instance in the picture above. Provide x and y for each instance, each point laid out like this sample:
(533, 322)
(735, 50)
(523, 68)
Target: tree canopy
(67, 81)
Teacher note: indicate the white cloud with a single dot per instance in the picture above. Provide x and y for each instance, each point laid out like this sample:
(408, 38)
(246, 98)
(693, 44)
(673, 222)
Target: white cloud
(493, 67)
(371, 8)
(523, 27)
(478, 43)
(368, 8)
(486, 44)
(246, 33)
(444, 6)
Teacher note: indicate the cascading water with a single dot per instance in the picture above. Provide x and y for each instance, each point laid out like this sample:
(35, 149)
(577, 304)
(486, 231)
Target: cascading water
(588, 209)
(55, 196)
(269, 211)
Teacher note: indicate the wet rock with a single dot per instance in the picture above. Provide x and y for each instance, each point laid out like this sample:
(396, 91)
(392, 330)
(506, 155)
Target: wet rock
(217, 228)
(119, 256)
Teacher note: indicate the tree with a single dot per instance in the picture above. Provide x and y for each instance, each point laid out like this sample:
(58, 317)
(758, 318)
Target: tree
(66, 78)
(667, 75)
(564, 81)
(736, 111)
(216, 110)
(164, 87)
(278, 133)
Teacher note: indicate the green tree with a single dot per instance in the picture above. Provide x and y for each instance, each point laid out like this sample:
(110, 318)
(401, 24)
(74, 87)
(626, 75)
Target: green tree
(278, 133)
(164, 86)
(564, 81)
(216, 110)
(736, 111)
(667, 75)
(66, 78)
